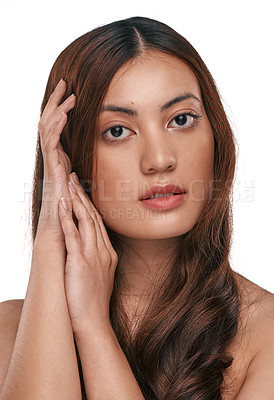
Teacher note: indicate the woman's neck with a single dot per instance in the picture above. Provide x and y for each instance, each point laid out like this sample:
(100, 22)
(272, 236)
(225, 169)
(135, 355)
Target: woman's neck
(145, 264)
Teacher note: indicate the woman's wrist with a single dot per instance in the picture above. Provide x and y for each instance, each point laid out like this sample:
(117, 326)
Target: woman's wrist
(49, 225)
(48, 238)
(95, 332)
(48, 253)
(106, 370)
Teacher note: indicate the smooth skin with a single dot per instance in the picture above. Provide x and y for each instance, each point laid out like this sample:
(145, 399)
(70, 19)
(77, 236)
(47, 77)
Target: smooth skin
(58, 300)
(143, 101)
(154, 147)
(45, 326)
(70, 295)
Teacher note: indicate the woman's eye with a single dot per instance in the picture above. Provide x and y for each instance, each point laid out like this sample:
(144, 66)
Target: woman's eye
(184, 120)
(116, 133)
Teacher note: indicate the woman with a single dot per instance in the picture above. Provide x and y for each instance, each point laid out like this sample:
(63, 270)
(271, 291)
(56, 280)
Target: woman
(131, 294)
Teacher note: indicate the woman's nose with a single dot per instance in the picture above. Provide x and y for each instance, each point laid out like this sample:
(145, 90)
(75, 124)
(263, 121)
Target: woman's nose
(158, 156)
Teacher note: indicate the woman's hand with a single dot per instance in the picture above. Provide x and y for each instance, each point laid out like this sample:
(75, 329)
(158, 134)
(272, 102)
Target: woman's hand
(91, 262)
(57, 165)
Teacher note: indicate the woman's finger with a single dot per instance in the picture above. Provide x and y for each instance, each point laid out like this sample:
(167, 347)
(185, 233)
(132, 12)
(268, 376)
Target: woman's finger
(47, 122)
(72, 236)
(48, 118)
(54, 110)
(52, 104)
(92, 209)
(86, 224)
(55, 98)
(52, 139)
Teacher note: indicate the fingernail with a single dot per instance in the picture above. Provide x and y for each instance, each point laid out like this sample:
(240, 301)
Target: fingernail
(70, 97)
(75, 177)
(64, 203)
(72, 187)
(59, 83)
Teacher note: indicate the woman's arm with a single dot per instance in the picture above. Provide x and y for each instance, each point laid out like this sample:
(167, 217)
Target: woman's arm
(107, 374)
(43, 364)
(10, 312)
(90, 267)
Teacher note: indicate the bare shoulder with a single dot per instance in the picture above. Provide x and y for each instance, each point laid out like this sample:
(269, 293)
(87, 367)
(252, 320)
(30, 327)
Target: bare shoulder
(10, 312)
(256, 333)
(257, 310)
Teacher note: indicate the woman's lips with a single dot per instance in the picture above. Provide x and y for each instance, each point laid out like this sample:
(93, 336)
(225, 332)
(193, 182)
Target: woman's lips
(164, 203)
(163, 197)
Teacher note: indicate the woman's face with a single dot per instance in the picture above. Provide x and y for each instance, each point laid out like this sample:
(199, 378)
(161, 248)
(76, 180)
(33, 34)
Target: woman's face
(155, 150)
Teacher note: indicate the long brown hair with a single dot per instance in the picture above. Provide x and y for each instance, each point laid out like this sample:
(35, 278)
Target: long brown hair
(180, 348)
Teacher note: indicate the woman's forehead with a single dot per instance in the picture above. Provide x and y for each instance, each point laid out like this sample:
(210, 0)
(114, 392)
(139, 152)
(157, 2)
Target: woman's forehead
(153, 75)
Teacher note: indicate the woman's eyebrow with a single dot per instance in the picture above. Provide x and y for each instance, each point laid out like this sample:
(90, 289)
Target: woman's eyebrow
(178, 99)
(110, 107)
(133, 113)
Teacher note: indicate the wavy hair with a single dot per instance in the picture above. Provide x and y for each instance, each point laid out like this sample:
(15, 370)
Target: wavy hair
(179, 350)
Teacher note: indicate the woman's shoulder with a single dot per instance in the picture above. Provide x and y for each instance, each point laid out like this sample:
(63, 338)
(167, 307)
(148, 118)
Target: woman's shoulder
(257, 306)
(256, 324)
(253, 348)
(10, 312)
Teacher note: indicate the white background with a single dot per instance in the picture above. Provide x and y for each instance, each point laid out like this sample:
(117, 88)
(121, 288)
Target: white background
(235, 39)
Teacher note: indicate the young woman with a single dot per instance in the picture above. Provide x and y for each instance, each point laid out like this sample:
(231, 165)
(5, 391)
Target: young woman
(131, 294)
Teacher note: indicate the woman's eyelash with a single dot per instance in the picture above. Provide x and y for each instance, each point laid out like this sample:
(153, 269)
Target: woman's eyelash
(118, 137)
(183, 118)
(180, 121)
(111, 127)
(194, 115)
